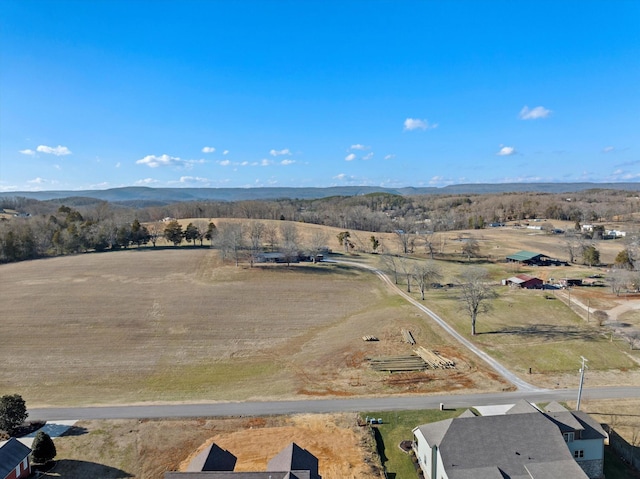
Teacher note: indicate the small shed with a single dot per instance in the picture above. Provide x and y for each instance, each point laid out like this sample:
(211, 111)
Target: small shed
(525, 281)
(14, 460)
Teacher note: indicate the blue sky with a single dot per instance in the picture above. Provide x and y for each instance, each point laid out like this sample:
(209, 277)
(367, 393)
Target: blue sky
(100, 94)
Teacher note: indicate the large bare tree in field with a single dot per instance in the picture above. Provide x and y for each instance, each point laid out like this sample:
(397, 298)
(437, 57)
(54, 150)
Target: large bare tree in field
(390, 263)
(425, 273)
(475, 293)
(290, 241)
(231, 241)
(256, 236)
(317, 244)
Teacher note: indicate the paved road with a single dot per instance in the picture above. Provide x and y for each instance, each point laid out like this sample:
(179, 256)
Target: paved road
(259, 408)
(495, 365)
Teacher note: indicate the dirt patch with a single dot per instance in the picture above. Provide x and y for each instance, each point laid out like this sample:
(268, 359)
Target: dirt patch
(146, 449)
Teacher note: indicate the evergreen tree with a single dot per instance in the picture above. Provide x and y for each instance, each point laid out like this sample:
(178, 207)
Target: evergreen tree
(173, 232)
(43, 449)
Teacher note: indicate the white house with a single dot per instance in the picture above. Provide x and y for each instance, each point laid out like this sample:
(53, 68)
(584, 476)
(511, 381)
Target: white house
(524, 443)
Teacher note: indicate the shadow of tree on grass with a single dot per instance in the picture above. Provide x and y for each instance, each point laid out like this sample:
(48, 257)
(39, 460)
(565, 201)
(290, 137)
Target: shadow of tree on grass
(73, 469)
(548, 332)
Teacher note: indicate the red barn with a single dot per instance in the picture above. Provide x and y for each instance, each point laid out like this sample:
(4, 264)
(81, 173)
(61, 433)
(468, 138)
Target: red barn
(14, 460)
(525, 281)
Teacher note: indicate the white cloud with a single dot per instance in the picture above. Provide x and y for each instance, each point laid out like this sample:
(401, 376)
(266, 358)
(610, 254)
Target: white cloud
(265, 162)
(359, 147)
(506, 151)
(154, 161)
(341, 176)
(54, 150)
(208, 149)
(608, 149)
(225, 152)
(285, 151)
(287, 162)
(417, 124)
(350, 157)
(57, 167)
(224, 163)
(28, 152)
(534, 113)
(37, 181)
(368, 156)
(146, 181)
(193, 180)
(244, 163)
(118, 165)
(389, 157)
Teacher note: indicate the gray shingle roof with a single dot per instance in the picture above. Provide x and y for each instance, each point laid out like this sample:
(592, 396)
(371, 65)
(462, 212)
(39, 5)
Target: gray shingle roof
(12, 453)
(213, 458)
(294, 458)
(509, 442)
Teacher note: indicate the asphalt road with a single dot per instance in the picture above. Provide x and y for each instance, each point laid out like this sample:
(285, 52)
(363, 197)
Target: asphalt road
(389, 403)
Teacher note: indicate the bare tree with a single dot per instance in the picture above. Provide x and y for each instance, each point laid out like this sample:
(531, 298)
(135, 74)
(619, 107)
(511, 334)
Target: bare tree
(317, 244)
(390, 263)
(425, 273)
(256, 234)
(406, 267)
(470, 248)
(155, 231)
(271, 236)
(617, 279)
(476, 293)
(231, 241)
(290, 241)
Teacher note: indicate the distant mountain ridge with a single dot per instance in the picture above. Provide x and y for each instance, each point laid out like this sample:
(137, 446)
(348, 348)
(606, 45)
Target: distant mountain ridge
(141, 193)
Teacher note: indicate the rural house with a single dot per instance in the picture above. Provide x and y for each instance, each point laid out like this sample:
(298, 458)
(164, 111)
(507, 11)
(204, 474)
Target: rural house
(525, 281)
(293, 462)
(14, 460)
(523, 443)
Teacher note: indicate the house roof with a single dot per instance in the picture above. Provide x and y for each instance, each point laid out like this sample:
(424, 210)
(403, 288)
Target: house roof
(12, 453)
(524, 256)
(294, 458)
(293, 462)
(213, 458)
(476, 446)
(522, 407)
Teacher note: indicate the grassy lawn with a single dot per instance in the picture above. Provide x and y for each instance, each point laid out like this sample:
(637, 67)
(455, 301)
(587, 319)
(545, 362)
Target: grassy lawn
(526, 330)
(397, 427)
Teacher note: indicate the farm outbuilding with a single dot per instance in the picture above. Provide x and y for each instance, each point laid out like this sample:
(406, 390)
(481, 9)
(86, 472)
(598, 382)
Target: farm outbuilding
(528, 257)
(14, 460)
(525, 281)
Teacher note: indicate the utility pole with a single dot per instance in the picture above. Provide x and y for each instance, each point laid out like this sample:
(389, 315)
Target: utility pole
(584, 366)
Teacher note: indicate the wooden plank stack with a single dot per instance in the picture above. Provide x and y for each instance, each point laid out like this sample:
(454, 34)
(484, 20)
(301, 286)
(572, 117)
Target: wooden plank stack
(408, 337)
(434, 359)
(398, 363)
(369, 338)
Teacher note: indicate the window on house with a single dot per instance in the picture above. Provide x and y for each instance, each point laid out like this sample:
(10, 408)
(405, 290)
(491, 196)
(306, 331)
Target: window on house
(568, 436)
(578, 454)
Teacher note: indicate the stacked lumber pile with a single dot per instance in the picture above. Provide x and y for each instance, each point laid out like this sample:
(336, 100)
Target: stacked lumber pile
(369, 338)
(434, 359)
(398, 363)
(408, 337)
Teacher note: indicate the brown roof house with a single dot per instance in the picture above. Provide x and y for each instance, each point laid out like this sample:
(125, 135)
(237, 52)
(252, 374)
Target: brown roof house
(524, 443)
(293, 462)
(525, 281)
